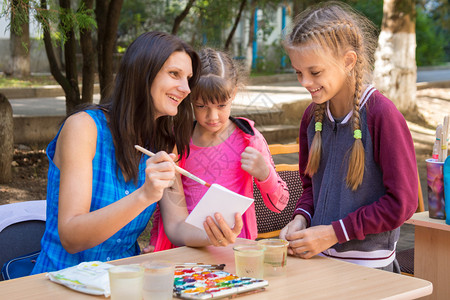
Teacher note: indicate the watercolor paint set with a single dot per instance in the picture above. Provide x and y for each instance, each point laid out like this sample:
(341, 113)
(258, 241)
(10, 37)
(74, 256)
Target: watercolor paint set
(206, 283)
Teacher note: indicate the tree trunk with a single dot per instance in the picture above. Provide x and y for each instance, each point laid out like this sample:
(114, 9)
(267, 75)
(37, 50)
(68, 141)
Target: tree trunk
(101, 13)
(20, 39)
(180, 17)
(69, 82)
(107, 23)
(70, 57)
(395, 60)
(52, 61)
(87, 50)
(249, 54)
(235, 25)
(6, 139)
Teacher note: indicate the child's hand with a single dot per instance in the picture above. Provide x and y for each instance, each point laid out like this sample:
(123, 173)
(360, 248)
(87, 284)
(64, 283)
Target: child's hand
(148, 249)
(253, 163)
(222, 235)
(297, 224)
(311, 241)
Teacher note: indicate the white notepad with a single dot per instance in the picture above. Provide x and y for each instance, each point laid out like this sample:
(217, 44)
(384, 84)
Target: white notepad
(221, 200)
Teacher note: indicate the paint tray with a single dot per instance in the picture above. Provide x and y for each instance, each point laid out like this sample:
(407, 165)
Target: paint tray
(205, 283)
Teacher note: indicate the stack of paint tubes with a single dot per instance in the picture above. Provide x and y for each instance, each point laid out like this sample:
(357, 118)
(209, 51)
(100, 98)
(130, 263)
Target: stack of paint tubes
(438, 203)
(440, 148)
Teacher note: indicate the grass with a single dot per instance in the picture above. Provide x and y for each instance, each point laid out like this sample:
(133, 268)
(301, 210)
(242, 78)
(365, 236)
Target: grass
(31, 81)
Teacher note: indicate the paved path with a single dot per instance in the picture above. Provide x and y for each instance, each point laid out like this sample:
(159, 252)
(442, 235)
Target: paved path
(433, 74)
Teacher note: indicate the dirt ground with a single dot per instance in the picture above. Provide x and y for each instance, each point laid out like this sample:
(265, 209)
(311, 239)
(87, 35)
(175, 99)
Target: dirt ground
(29, 172)
(30, 166)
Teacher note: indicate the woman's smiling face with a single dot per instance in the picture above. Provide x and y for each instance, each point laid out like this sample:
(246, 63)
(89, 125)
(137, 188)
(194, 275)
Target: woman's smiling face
(171, 85)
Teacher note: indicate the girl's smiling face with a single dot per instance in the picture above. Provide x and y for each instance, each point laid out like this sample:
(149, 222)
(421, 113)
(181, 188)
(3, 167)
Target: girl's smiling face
(324, 76)
(170, 85)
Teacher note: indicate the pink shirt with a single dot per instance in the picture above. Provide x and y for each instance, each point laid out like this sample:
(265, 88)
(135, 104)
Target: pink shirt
(219, 164)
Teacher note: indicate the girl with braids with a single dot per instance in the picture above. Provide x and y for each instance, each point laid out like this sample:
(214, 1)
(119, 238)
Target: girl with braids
(225, 150)
(101, 192)
(357, 160)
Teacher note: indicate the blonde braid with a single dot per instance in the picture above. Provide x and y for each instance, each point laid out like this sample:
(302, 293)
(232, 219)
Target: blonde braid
(316, 146)
(355, 172)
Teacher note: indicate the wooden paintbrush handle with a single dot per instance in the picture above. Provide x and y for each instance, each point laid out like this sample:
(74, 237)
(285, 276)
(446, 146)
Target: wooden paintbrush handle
(180, 170)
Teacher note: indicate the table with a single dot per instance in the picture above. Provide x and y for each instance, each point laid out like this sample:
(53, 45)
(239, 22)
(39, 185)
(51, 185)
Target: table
(316, 278)
(432, 253)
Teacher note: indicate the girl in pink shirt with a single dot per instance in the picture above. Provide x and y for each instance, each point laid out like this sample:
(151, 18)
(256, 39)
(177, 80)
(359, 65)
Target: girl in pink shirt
(224, 150)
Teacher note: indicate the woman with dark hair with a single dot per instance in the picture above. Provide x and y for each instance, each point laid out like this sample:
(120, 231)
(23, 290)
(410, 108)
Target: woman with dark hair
(101, 192)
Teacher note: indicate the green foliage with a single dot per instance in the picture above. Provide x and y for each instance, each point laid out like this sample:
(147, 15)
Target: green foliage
(432, 26)
(18, 11)
(430, 41)
(373, 10)
(269, 58)
(207, 23)
(133, 19)
(139, 16)
(439, 12)
(77, 20)
(213, 18)
(121, 49)
(55, 18)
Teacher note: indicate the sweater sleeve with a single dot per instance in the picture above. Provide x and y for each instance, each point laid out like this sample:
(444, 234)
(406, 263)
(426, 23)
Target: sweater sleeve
(394, 152)
(274, 190)
(305, 205)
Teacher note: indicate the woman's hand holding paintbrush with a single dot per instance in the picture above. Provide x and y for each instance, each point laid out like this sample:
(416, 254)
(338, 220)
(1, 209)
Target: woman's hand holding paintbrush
(179, 170)
(219, 232)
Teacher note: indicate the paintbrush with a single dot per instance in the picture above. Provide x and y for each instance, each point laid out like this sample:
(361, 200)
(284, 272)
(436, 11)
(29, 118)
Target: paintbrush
(180, 170)
(216, 199)
(437, 143)
(444, 140)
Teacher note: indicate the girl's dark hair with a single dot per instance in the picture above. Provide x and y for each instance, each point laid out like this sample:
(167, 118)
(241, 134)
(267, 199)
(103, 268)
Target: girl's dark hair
(336, 28)
(130, 108)
(219, 77)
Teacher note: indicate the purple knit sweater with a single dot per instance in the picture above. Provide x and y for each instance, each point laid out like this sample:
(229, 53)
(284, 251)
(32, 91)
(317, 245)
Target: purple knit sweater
(366, 221)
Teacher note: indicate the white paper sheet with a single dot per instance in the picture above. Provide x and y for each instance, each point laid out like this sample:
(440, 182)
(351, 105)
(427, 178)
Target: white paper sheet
(221, 200)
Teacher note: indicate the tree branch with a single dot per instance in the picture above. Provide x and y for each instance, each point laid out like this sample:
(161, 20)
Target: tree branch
(180, 17)
(87, 50)
(54, 67)
(109, 40)
(235, 25)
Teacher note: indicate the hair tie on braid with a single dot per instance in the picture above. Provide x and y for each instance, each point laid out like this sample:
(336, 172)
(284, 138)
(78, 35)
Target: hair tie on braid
(318, 126)
(357, 134)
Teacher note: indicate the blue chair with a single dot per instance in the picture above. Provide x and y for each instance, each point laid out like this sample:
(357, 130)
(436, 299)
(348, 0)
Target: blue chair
(21, 228)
